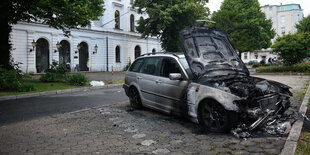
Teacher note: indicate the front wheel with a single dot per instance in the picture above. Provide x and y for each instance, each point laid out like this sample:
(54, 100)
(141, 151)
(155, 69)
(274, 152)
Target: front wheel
(213, 117)
(134, 97)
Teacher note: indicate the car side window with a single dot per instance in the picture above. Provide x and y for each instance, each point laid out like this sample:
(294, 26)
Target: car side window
(169, 66)
(149, 66)
(136, 65)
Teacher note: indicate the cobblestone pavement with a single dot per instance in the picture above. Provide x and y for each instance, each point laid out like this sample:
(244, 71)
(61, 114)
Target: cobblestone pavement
(116, 130)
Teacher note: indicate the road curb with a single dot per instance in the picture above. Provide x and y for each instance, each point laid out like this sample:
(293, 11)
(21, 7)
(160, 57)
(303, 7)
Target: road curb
(65, 91)
(282, 73)
(292, 139)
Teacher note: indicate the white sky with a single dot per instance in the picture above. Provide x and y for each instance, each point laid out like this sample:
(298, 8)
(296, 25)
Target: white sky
(214, 5)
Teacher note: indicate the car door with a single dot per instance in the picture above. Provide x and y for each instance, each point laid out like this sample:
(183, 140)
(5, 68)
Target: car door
(171, 93)
(146, 80)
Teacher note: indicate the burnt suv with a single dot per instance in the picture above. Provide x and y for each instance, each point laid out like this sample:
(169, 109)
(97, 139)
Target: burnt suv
(209, 84)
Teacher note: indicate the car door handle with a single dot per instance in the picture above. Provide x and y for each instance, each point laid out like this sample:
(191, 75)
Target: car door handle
(158, 81)
(139, 77)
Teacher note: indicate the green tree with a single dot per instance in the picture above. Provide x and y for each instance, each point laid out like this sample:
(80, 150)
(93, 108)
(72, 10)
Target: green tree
(166, 18)
(304, 25)
(245, 24)
(60, 14)
(292, 48)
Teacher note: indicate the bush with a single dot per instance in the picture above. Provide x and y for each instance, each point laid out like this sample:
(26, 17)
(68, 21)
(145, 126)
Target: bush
(77, 79)
(11, 80)
(128, 65)
(297, 68)
(57, 73)
(292, 48)
(255, 65)
(27, 76)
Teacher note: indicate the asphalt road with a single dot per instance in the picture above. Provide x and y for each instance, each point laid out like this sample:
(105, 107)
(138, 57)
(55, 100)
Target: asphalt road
(13, 111)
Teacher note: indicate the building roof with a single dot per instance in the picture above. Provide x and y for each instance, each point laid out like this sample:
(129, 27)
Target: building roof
(285, 7)
(288, 7)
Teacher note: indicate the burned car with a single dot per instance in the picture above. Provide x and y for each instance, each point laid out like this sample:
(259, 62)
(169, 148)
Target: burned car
(209, 83)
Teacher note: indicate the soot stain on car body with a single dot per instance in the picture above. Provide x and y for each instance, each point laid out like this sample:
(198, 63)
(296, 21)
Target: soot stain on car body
(221, 78)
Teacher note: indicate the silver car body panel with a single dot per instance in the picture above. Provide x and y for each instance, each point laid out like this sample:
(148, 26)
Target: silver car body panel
(197, 93)
(159, 92)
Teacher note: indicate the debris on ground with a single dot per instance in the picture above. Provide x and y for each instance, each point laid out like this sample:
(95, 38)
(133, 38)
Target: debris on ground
(148, 142)
(161, 151)
(96, 83)
(278, 125)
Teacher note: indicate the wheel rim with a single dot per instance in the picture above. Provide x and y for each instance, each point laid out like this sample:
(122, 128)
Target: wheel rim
(134, 97)
(214, 116)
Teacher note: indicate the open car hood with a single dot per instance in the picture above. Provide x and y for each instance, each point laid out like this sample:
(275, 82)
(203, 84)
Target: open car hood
(210, 54)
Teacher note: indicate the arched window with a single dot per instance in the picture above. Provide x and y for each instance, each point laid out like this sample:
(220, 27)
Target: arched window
(117, 54)
(64, 53)
(153, 50)
(42, 55)
(84, 63)
(137, 51)
(132, 23)
(131, 1)
(117, 20)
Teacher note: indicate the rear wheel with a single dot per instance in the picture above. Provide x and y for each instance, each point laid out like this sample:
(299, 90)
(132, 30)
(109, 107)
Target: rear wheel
(134, 97)
(214, 117)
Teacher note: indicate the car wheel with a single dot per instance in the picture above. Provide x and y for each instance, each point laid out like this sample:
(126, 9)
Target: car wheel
(213, 117)
(134, 97)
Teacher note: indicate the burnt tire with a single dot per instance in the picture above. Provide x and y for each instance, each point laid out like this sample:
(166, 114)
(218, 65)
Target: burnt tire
(213, 117)
(134, 98)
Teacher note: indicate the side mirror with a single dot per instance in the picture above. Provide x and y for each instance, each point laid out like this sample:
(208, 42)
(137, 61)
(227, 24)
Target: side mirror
(175, 76)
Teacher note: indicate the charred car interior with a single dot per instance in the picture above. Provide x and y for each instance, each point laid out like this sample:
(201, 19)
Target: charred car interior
(213, 87)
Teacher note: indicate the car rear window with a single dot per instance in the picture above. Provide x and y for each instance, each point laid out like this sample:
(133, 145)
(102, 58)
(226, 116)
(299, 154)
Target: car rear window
(136, 65)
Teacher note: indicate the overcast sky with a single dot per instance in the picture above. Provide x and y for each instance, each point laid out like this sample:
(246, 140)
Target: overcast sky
(214, 5)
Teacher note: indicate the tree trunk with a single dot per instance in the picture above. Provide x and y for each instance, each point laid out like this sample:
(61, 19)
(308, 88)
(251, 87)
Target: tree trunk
(5, 44)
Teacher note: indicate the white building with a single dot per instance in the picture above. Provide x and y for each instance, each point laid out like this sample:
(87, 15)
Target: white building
(106, 43)
(284, 19)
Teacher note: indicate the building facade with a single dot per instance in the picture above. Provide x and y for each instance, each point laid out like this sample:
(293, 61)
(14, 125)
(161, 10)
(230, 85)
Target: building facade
(110, 42)
(284, 18)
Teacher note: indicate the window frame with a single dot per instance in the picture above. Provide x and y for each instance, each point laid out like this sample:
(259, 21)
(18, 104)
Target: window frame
(139, 67)
(132, 23)
(118, 59)
(156, 66)
(117, 20)
(177, 63)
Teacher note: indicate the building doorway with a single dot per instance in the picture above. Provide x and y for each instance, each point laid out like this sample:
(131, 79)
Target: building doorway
(64, 54)
(83, 57)
(42, 55)
(137, 51)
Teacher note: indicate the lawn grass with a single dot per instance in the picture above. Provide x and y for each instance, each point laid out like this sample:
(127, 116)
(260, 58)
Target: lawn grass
(303, 146)
(115, 82)
(43, 87)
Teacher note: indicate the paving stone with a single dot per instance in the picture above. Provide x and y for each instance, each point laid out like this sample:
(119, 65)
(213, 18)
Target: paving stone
(272, 151)
(148, 142)
(138, 136)
(97, 130)
(161, 151)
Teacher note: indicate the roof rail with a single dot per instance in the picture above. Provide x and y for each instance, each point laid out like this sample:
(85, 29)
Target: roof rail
(160, 53)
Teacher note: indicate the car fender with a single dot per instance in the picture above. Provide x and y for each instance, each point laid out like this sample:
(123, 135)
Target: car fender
(196, 93)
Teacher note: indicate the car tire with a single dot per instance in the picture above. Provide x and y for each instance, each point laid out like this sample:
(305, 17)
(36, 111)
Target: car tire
(213, 117)
(134, 98)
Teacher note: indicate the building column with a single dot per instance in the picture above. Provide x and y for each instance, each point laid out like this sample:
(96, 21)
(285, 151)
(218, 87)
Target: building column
(31, 57)
(75, 59)
(54, 52)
